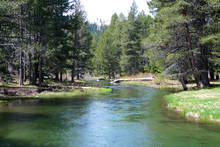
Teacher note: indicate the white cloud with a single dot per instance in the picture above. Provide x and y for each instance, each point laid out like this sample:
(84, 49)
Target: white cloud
(104, 9)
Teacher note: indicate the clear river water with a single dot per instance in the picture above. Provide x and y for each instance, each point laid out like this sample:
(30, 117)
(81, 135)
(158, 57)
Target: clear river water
(128, 117)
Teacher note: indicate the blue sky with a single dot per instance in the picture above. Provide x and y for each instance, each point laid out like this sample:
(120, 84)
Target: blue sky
(103, 9)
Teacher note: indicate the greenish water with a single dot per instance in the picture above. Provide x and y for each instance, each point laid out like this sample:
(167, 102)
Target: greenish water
(128, 117)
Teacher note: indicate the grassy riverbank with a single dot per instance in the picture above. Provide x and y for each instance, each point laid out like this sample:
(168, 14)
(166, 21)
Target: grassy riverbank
(159, 81)
(75, 93)
(194, 104)
(48, 95)
(202, 104)
(169, 84)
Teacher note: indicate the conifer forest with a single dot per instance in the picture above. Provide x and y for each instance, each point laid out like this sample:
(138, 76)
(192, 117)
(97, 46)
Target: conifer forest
(50, 38)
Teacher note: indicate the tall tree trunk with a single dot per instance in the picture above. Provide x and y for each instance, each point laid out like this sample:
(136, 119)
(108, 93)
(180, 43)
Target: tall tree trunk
(73, 72)
(66, 77)
(204, 65)
(25, 75)
(77, 45)
(78, 75)
(77, 71)
(40, 71)
(21, 72)
(57, 76)
(35, 74)
(211, 72)
(212, 75)
(192, 58)
(191, 54)
(205, 78)
(183, 83)
(199, 83)
(30, 67)
(61, 76)
(204, 51)
(217, 76)
(21, 75)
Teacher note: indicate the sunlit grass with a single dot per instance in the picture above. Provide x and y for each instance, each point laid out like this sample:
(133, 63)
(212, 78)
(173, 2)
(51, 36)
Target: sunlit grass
(75, 93)
(196, 104)
(203, 104)
(153, 84)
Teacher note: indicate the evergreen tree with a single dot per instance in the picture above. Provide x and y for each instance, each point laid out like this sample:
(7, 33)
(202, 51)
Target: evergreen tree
(130, 59)
(182, 25)
(105, 55)
(37, 32)
(212, 38)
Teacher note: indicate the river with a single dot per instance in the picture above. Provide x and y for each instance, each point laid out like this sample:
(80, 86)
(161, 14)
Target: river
(128, 117)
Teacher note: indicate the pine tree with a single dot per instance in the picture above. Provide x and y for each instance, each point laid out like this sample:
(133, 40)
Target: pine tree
(184, 23)
(212, 37)
(130, 59)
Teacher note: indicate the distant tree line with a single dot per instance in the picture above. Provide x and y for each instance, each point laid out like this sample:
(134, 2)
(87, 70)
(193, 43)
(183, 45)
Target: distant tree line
(119, 49)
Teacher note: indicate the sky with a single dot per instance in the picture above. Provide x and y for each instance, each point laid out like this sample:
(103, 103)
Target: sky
(104, 9)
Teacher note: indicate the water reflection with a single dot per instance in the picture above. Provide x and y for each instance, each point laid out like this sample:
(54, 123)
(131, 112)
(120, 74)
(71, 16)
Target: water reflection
(130, 116)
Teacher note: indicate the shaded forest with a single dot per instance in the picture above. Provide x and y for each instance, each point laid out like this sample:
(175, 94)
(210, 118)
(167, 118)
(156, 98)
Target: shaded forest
(47, 39)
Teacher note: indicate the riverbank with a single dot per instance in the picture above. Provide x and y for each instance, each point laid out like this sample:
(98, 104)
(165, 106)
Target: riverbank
(11, 94)
(201, 105)
(170, 85)
(197, 105)
(14, 90)
(75, 93)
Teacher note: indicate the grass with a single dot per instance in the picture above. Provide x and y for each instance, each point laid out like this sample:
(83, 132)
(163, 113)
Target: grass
(195, 104)
(202, 104)
(155, 84)
(159, 81)
(75, 93)
(3, 102)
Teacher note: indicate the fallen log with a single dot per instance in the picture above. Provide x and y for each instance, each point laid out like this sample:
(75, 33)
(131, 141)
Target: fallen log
(133, 79)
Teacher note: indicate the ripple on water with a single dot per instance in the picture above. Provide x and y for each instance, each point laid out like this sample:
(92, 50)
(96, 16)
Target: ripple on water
(129, 116)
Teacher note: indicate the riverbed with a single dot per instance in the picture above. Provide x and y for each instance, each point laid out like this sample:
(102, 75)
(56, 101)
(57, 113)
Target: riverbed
(130, 116)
